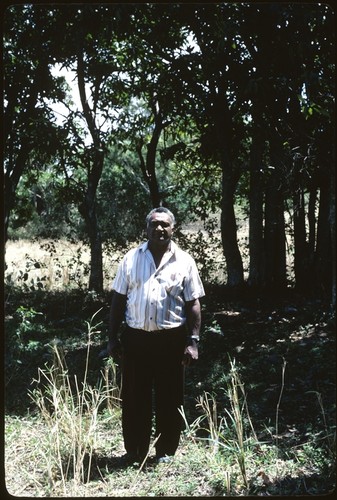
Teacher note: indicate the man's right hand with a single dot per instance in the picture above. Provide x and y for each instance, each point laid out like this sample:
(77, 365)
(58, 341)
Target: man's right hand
(114, 348)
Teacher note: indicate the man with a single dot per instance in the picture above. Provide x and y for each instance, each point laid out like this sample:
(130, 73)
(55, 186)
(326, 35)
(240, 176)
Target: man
(156, 290)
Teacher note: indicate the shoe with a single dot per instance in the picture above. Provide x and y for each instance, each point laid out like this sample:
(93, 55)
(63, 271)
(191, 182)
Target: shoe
(130, 459)
(164, 460)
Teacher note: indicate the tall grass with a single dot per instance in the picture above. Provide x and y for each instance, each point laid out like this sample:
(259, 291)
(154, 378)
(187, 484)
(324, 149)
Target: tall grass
(231, 436)
(227, 432)
(70, 410)
(219, 454)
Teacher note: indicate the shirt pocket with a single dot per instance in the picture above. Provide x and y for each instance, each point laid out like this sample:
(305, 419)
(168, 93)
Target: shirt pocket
(174, 285)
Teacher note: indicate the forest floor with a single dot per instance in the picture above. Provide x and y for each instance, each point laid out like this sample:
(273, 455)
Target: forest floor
(283, 350)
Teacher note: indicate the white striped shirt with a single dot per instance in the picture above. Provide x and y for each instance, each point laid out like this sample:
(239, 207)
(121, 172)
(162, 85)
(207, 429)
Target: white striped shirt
(156, 296)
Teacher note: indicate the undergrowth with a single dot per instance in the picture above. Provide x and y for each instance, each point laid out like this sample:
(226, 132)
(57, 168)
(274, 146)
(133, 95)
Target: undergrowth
(69, 441)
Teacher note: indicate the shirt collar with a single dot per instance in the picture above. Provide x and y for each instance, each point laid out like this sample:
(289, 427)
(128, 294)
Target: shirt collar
(172, 249)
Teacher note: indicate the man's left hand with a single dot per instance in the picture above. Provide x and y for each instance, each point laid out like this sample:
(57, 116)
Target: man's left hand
(190, 355)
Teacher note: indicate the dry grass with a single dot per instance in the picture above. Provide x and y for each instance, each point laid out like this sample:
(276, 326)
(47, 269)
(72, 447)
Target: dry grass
(196, 471)
(61, 265)
(27, 474)
(56, 264)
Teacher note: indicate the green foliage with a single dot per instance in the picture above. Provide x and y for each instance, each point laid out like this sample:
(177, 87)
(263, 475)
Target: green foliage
(205, 246)
(25, 334)
(45, 208)
(26, 318)
(122, 206)
(24, 338)
(204, 103)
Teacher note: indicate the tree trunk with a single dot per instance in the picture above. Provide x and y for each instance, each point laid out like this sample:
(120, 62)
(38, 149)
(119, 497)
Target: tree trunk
(275, 248)
(148, 166)
(12, 178)
(332, 220)
(96, 268)
(88, 211)
(301, 248)
(323, 257)
(229, 231)
(149, 172)
(16, 165)
(88, 206)
(256, 245)
(223, 131)
(312, 221)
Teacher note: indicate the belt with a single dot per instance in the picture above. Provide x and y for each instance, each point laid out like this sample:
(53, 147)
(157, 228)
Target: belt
(165, 331)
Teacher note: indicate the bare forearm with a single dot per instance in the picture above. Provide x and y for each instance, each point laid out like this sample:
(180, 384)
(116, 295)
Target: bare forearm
(193, 317)
(117, 314)
(193, 320)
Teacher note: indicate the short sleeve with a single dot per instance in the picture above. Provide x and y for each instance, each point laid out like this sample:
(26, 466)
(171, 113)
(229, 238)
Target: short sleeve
(120, 283)
(193, 287)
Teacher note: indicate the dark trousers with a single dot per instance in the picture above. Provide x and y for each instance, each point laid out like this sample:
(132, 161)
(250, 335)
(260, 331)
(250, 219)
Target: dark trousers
(152, 366)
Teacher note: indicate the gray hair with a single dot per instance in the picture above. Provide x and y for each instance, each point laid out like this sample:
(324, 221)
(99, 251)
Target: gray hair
(161, 210)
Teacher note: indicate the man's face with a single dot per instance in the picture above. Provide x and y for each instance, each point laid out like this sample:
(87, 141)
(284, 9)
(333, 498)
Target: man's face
(159, 229)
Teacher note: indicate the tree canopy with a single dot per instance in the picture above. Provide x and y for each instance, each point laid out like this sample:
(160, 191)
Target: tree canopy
(200, 107)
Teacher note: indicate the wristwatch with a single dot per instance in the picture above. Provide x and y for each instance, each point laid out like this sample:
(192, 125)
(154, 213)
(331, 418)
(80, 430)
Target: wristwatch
(195, 338)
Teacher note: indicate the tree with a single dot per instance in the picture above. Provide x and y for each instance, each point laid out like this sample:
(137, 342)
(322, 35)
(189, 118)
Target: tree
(97, 62)
(29, 53)
(214, 115)
(223, 93)
(150, 56)
(280, 116)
